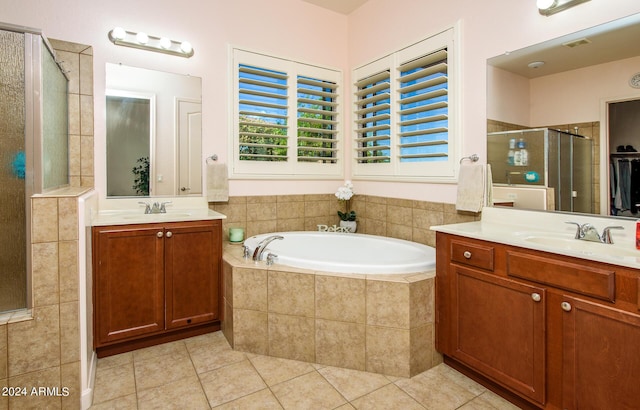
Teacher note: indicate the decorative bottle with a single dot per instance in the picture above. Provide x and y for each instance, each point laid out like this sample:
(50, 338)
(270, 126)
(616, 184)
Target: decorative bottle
(524, 154)
(511, 153)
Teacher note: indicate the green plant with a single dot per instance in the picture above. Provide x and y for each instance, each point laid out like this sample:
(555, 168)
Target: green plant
(141, 173)
(344, 194)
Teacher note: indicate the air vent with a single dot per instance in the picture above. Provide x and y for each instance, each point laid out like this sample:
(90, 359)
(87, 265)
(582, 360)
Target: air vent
(576, 43)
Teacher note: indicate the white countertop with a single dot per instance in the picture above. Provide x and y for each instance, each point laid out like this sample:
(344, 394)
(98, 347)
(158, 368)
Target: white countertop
(548, 232)
(128, 211)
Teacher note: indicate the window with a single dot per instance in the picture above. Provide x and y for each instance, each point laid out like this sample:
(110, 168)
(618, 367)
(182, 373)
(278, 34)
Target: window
(287, 118)
(405, 110)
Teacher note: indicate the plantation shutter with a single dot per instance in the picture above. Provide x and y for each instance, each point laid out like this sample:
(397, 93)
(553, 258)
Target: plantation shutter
(263, 114)
(317, 120)
(423, 109)
(373, 118)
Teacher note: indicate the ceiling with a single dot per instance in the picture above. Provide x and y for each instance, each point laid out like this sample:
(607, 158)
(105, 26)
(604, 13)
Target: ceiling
(605, 43)
(340, 6)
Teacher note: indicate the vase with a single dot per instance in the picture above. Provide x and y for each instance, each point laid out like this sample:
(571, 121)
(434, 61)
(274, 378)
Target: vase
(351, 225)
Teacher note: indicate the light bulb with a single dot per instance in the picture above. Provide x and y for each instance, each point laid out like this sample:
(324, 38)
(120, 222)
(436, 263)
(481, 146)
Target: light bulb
(546, 4)
(142, 38)
(165, 43)
(118, 33)
(186, 47)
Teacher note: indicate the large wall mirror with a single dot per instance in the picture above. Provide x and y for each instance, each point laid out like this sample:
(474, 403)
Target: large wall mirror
(154, 133)
(572, 106)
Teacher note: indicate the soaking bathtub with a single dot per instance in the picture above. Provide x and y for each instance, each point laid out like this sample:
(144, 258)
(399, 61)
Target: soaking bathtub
(346, 252)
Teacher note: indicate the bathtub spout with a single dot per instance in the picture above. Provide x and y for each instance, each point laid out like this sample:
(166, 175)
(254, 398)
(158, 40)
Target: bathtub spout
(257, 253)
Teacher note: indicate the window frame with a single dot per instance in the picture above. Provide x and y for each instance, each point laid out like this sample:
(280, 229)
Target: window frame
(437, 171)
(292, 168)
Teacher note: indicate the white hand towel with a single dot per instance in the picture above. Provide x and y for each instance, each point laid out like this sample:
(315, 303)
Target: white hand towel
(470, 188)
(489, 182)
(217, 182)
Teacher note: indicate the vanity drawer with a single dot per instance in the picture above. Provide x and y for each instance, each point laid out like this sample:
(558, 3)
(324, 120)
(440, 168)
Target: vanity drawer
(472, 254)
(585, 280)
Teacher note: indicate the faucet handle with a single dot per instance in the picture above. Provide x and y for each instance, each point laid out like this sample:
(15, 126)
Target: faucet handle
(163, 209)
(271, 258)
(606, 234)
(147, 207)
(579, 231)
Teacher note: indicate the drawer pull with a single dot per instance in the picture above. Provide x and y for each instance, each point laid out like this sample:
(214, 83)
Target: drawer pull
(536, 297)
(159, 234)
(169, 234)
(566, 306)
(467, 254)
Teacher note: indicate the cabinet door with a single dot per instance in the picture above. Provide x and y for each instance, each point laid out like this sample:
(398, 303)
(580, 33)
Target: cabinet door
(192, 258)
(498, 328)
(601, 356)
(129, 282)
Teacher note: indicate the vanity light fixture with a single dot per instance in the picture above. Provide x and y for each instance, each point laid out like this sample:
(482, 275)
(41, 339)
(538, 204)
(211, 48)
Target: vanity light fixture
(143, 41)
(549, 7)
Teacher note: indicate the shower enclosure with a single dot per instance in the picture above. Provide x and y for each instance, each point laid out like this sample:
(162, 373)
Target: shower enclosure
(554, 159)
(34, 155)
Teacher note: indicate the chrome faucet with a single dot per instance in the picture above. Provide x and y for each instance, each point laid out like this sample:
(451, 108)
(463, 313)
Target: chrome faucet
(257, 253)
(156, 208)
(588, 232)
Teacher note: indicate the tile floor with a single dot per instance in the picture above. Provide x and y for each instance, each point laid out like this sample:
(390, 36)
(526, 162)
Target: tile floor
(203, 372)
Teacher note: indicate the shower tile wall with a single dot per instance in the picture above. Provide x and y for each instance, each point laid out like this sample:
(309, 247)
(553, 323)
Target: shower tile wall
(392, 217)
(45, 351)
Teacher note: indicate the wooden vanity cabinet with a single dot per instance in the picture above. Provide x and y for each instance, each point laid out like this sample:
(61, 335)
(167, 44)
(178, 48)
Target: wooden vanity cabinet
(543, 330)
(156, 282)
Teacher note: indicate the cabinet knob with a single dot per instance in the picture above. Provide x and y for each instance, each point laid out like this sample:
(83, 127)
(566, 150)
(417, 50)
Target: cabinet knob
(159, 234)
(169, 234)
(536, 297)
(467, 254)
(566, 306)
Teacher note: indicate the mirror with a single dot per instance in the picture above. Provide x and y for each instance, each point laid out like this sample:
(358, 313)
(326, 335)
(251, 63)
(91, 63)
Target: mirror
(576, 84)
(154, 133)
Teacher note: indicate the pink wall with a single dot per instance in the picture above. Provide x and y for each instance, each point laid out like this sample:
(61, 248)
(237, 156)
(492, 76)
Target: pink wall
(291, 28)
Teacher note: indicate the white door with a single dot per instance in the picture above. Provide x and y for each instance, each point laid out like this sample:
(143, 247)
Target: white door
(189, 148)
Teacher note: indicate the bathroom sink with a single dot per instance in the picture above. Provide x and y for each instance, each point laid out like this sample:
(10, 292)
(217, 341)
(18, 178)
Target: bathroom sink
(577, 245)
(168, 215)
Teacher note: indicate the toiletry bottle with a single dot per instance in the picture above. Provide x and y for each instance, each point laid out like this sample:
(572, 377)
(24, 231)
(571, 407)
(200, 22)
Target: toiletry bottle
(524, 154)
(517, 156)
(511, 153)
(638, 235)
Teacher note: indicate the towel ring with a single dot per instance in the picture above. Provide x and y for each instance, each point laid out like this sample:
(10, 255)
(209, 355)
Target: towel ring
(213, 157)
(472, 158)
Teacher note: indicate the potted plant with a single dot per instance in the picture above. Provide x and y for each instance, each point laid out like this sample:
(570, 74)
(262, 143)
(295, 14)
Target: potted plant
(348, 217)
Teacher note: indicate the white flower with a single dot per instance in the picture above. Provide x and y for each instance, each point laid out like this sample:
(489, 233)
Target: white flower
(345, 192)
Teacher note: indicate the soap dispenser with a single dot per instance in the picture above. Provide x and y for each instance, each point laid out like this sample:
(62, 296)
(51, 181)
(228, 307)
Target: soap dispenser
(511, 153)
(524, 154)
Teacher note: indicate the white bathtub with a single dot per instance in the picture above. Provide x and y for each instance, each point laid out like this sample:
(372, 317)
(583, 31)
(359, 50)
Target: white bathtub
(347, 252)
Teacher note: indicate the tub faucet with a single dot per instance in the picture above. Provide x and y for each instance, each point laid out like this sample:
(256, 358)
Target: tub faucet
(257, 253)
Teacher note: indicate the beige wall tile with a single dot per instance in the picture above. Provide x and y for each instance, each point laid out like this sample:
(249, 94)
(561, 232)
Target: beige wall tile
(292, 337)
(44, 220)
(388, 304)
(317, 208)
(86, 155)
(74, 155)
(227, 282)
(4, 401)
(290, 210)
(340, 344)
(70, 378)
(388, 351)
(68, 270)
(86, 115)
(44, 276)
(250, 289)
(250, 331)
(227, 323)
(74, 114)
(86, 74)
(376, 211)
(422, 347)
(260, 227)
(290, 225)
(3, 352)
(42, 378)
(421, 310)
(67, 219)
(261, 211)
(69, 332)
(34, 344)
(290, 198)
(338, 298)
(291, 293)
(400, 215)
(399, 231)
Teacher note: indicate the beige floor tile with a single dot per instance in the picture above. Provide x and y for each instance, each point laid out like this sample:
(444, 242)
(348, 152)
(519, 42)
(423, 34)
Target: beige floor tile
(114, 382)
(115, 361)
(434, 391)
(496, 401)
(160, 370)
(215, 338)
(275, 370)
(181, 394)
(129, 402)
(261, 400)
(211, 356)
(353, 383)
(309, 391)
(231, 382)
(389, 397)
(159, 350)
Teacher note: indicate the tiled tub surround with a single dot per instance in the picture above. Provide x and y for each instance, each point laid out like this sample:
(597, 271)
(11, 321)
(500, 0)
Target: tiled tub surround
(392, 217)
(376, 323)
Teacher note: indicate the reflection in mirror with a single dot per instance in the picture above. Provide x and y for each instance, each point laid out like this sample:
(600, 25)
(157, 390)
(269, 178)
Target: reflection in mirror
(569, 84)
(154, 133)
